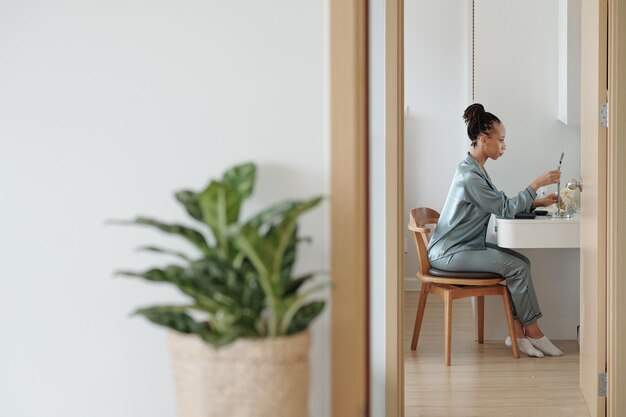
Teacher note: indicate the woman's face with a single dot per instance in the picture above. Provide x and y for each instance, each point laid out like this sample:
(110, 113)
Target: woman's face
(493, 143)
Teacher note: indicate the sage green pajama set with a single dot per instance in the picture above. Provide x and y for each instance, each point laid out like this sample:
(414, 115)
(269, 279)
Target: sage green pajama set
(458, 243)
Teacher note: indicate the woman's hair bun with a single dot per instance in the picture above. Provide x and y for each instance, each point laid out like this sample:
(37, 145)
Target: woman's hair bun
(478, 121)
(473, 112)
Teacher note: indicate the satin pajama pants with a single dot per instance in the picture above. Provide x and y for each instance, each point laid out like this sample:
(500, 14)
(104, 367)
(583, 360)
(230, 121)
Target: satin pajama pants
(513, 266)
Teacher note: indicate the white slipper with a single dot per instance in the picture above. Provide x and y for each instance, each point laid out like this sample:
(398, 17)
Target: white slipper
(525, 346)
(545, 345)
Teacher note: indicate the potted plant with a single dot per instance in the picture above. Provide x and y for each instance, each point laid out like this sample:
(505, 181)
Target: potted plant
(240, 346)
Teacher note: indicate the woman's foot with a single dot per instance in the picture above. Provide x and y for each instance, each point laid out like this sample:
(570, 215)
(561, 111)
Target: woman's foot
(533, 330)
(525, 346)
(545, 345)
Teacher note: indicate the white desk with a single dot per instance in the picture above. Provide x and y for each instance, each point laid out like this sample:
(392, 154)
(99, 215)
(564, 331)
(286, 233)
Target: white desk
(540, 232)
(552, 245)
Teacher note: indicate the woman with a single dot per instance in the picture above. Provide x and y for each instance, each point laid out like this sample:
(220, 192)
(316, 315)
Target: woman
(458, 242)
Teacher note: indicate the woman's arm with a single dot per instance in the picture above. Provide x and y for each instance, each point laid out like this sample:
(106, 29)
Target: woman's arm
(550, 177)
(481, 194)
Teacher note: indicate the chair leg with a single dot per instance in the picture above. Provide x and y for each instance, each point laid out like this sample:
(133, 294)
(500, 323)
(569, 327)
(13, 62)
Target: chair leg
(420, 314)
(506, 299)
(480, 318)
(448, 327)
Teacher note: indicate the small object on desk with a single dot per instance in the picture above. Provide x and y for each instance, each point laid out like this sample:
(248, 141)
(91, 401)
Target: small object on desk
(525, 216)
(558, 184)
(540, 212)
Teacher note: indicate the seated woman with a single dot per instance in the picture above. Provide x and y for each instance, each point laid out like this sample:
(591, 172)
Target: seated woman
(458, 242)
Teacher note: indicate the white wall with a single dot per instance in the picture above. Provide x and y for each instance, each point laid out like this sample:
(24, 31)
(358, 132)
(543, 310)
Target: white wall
(515, 78)
(107, 108)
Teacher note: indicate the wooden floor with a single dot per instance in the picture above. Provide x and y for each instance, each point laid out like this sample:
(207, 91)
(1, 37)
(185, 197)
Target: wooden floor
(484, 380)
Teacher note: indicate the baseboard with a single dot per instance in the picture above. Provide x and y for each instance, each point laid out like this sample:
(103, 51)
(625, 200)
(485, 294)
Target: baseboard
(411, 284)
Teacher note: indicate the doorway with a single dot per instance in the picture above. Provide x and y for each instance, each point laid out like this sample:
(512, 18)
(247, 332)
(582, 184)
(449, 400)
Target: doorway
(594, 69)
(487, 48)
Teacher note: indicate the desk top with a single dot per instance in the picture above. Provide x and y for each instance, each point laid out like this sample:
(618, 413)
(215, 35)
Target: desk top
(542, 220)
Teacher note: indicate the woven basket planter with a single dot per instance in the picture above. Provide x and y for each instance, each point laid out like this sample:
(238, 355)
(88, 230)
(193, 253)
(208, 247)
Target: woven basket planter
(265, 377)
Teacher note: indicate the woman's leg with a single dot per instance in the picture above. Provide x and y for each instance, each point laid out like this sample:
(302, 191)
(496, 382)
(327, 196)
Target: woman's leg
(509, 251)
(515, 268)
(531, 329)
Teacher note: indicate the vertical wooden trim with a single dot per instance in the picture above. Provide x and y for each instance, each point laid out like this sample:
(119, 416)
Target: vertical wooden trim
(593, 203)
(616, 239)
(593, 230)
(394, 206)
(349, 208)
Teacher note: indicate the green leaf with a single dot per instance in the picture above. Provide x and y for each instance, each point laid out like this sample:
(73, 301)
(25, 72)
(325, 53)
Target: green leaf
(305, 316)
(256, 249)
(214, 282)
(272, 214)
(220, 203)
(164, 251)
(236, 290)
(293, 304)
(191, 235)
(218, 339)
(190, 201)
(289, 259)
(242, 178)
(179, 277)
(291, 287)
(280, 240)
(284, 235)
(173, 274)
(268, 251)
(177, 320)
(172, 317)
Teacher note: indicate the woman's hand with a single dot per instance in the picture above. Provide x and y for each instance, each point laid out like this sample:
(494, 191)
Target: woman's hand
(545, 202)
(550, 177)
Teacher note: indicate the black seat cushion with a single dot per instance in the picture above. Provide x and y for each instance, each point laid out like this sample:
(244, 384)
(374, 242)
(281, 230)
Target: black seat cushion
(475, 275)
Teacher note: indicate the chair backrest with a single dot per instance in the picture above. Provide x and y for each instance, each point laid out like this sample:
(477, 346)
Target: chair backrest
(420, 218)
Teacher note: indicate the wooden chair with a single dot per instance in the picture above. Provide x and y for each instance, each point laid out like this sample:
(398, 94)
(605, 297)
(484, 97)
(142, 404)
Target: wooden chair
(453, 285)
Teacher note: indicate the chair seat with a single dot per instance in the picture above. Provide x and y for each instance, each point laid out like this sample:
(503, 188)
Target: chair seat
(439, 276)
(472, 275)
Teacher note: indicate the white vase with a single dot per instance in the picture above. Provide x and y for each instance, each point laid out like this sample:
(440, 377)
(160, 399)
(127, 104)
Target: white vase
(263, 377)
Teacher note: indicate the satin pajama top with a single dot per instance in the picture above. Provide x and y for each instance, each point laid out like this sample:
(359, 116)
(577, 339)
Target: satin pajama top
(471, 201)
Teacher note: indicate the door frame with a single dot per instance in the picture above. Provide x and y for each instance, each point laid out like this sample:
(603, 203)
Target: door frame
(394, 183)
(394, 207)
(616, 230)
(594, 225)
(349, 209)
(615, 245)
